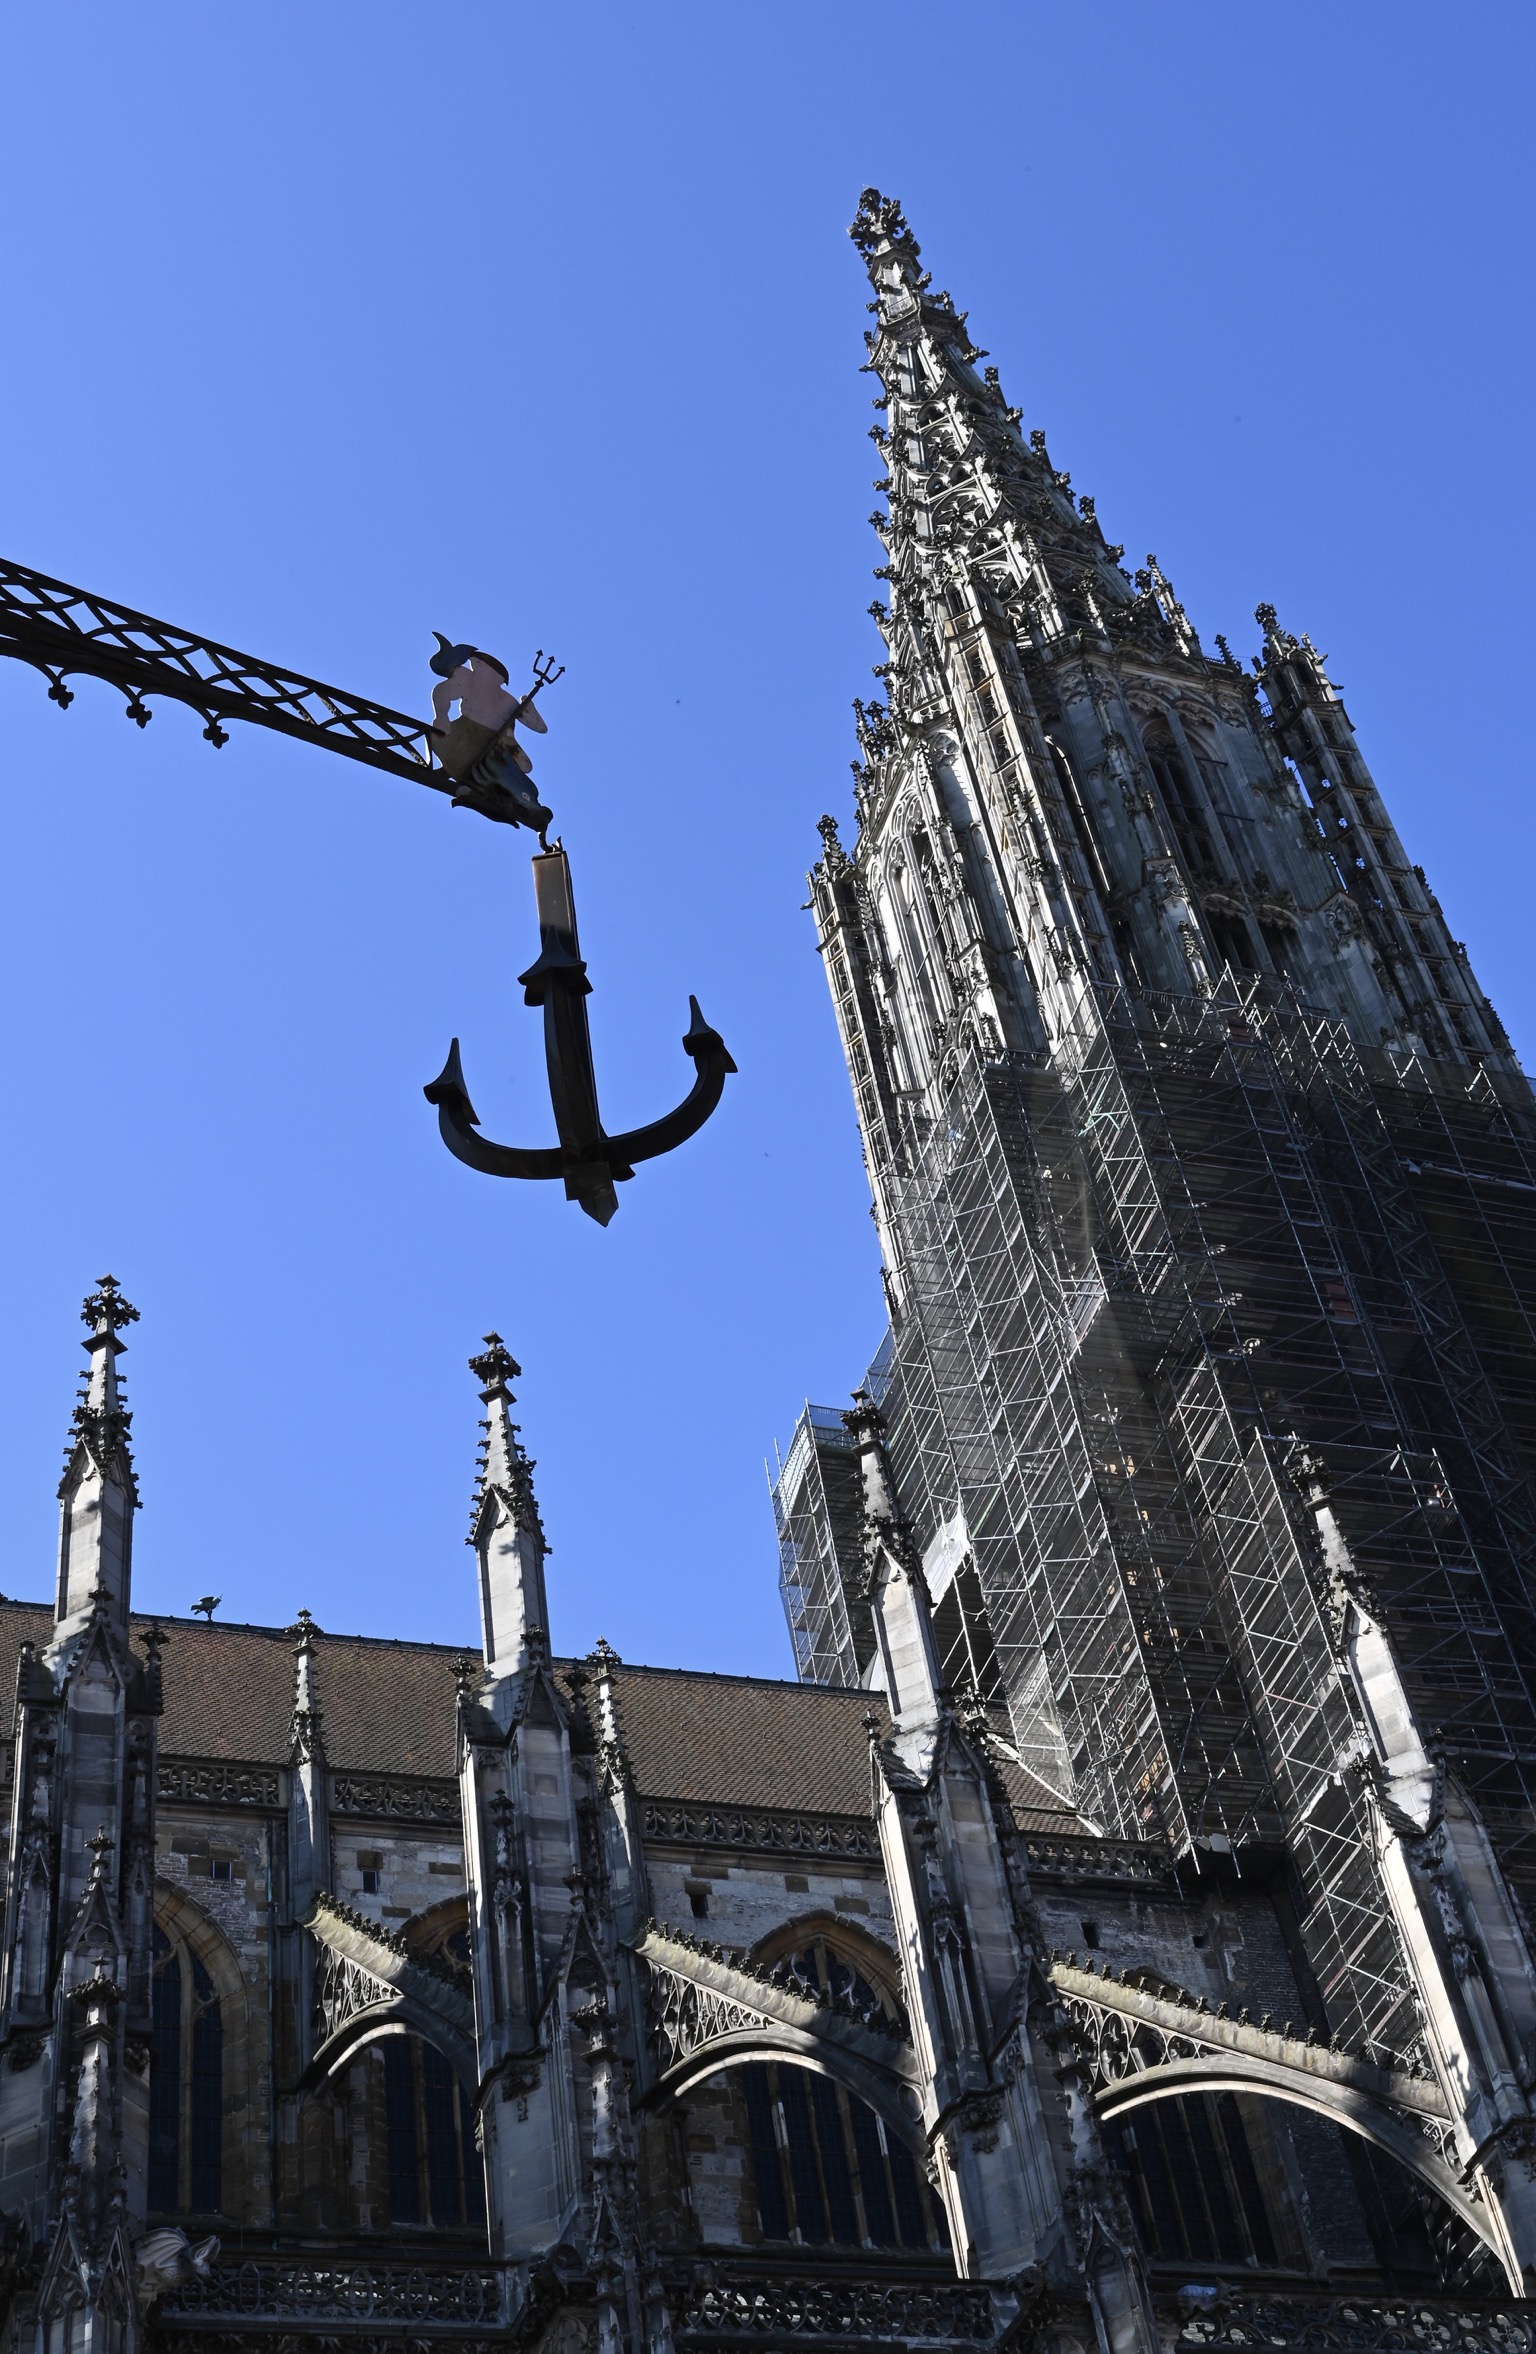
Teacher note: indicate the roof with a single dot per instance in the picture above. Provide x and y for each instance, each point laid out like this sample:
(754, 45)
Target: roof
(388, 1708)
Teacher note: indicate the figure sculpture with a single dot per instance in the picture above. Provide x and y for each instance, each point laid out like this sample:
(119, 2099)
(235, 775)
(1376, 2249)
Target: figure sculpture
(475, 718)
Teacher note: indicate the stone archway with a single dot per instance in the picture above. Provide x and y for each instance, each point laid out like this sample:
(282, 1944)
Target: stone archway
(369, 1984)
(1138, 2042)
(1372, 2121)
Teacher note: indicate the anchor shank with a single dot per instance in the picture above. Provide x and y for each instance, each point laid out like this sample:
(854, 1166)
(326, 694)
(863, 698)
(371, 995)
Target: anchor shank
(558, 982)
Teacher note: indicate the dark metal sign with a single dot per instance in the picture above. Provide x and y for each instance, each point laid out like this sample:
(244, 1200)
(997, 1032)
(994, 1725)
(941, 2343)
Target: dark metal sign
(468, 750)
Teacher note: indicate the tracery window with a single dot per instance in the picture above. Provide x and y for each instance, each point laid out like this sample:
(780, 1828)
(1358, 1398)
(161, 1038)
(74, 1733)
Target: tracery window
(186, 2084)
(1181, 797)
(826, 2170)
(1194, 2186)
(435, 2172)
(442, 1935)
(835, 1961)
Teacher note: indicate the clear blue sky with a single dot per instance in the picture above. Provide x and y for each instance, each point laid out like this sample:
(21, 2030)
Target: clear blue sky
(332, 326)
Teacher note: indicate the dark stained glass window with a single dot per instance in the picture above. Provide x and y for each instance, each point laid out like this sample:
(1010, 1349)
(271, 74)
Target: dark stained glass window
(186, 2083)
(436, 2176)
(826, 2171)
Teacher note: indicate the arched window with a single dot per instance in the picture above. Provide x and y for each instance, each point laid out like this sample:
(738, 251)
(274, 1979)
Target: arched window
(435, 2173)
(1181, 797)
(1210, 2182)
(826, 2170)
(442, 1935)
(830, 1969)
(186, 2084)
(837, 1960)
(1232, 939)
(1194, 2186)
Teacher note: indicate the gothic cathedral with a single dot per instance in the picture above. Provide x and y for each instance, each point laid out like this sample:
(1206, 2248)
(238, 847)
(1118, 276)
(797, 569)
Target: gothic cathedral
(1117, 1941)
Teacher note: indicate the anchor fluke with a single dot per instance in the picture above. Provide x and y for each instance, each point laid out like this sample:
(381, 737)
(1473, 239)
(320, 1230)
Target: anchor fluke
(699, 1038)
(448, 1087)
(458, 1123)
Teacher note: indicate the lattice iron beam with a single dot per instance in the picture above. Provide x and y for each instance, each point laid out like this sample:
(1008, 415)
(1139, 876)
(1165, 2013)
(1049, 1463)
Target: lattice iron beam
(67, 632)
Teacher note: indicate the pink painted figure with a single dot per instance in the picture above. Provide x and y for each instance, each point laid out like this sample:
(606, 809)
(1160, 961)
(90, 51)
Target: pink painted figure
(474, 719)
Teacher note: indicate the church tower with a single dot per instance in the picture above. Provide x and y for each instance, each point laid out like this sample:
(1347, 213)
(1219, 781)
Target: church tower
(1204, 1172)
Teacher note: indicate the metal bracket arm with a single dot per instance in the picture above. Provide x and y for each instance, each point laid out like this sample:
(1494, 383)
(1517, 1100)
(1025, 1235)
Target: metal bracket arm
(64, 631)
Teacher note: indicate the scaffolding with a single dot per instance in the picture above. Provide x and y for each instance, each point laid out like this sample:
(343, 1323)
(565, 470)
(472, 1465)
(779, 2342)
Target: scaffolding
(1158, 1293)
(815, 1491)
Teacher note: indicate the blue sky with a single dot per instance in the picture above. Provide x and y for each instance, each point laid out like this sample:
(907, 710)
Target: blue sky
(332, 327)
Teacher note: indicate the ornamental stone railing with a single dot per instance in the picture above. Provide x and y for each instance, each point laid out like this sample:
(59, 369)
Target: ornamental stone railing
(456, 2297)
(199, 1781)
(1056, 1855)
(767, 2306)
(771, 1830)
(1354, 2325)
(395, 1797)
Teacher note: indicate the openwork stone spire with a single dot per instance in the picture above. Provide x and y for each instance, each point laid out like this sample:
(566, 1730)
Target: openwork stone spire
(970, 503)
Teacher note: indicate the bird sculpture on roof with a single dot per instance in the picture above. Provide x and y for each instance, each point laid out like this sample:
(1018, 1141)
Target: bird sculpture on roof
(208, 1605)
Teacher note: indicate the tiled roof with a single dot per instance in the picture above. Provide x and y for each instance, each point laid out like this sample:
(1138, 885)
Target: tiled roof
(388, 1708)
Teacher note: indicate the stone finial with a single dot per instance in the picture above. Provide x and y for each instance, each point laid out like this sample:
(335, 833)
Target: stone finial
(834, 856)
(1277, 641)
(105, 1309)
(881, 225)
(496, 1368)
(98, 1490)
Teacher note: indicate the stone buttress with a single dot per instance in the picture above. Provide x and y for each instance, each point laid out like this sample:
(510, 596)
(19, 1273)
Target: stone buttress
(74, 2092)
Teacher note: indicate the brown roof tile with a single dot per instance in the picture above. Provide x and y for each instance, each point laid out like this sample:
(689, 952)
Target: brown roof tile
(388, 1708)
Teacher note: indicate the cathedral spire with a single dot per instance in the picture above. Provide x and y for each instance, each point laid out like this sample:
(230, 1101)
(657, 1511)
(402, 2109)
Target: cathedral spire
(970, 503)
(505, 1527)
(98, 1493)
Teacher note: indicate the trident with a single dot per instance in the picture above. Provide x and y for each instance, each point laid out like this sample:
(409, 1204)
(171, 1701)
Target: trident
(590, 1161)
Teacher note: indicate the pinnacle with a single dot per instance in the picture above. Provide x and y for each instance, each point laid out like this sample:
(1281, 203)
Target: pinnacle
(100, 1422)
(501, 1463)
